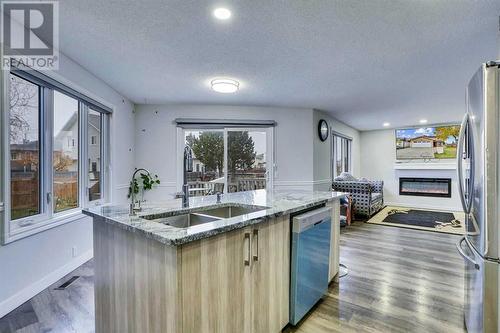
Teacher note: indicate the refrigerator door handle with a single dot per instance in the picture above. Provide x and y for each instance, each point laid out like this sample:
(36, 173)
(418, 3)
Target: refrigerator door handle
(472, 162)
(462, 253)
(466, 202)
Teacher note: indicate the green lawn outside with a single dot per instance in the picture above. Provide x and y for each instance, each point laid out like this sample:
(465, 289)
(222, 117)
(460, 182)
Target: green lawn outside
(449, 152)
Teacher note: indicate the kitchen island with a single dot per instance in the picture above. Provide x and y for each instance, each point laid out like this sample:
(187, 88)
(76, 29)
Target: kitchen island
(212, 267)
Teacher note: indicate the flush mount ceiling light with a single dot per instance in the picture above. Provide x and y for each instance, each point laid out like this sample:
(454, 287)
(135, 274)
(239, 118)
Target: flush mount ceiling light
(222, 13)
(225, 86)
(386, 124)
(423, 121)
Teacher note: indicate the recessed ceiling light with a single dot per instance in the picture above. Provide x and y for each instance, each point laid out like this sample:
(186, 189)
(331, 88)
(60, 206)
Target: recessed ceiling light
(225, 86)
(423, 121)
(222, 13)
(386, 124)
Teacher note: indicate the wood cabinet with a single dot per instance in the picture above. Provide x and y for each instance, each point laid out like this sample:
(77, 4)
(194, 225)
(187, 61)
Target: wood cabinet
(216, 283)
(270, 273)
(238, 281)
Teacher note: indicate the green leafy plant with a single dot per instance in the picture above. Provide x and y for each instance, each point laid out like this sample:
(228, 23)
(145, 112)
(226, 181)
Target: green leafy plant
(148, 182)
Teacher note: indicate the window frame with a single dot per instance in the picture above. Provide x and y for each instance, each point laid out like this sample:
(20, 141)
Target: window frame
(44, 172)
(347, 149)
(48, 218)
(50, 143)
(104, 151)
(270, 147)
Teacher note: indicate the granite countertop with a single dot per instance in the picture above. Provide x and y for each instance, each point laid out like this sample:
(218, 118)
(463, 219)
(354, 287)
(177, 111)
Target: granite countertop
(276, 203)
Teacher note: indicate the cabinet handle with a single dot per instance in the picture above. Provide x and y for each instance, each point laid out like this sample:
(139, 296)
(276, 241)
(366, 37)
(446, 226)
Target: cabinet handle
(256, 236)
(249, 248)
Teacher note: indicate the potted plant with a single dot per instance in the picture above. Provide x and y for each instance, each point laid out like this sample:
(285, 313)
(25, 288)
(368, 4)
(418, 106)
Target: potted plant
(145, 183)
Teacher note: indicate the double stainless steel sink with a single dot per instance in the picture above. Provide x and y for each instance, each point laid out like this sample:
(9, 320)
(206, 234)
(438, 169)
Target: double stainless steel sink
(204, 215)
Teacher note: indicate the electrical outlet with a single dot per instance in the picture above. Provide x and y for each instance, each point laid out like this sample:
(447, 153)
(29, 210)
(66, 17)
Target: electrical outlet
(74, 251)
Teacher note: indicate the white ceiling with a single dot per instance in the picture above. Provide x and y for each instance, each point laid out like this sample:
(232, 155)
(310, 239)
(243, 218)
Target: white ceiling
(365, 62)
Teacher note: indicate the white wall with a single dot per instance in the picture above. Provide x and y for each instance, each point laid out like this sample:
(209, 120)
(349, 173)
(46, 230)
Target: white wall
(31, 264)
(156, 138)
(322, 150)
(378, 155)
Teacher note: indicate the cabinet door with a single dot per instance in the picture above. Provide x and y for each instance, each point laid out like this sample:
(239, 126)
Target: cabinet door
(270, 275)
(216, 283)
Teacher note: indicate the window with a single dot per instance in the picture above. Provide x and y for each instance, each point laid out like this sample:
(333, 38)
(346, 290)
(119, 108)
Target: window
(15, 156)
(341, 154)
(228, 159)
(65, 161)
(47, 124)
(94, 179)
(208, 151)
(24, 142)
(246, 159)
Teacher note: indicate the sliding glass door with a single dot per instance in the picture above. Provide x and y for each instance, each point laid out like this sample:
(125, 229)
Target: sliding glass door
(247, 159)
(208, 172)
(228, 160)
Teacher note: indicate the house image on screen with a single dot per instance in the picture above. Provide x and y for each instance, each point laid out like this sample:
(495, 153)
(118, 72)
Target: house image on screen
(428, 142)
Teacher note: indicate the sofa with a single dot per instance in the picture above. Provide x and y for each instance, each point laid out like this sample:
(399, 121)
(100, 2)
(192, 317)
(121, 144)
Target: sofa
(368, 196)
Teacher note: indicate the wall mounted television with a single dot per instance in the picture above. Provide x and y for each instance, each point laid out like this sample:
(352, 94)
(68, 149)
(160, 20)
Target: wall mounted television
(424, 143)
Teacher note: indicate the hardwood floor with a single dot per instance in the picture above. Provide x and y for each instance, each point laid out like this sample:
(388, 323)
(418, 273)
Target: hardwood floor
(57, 311)
(400, 280)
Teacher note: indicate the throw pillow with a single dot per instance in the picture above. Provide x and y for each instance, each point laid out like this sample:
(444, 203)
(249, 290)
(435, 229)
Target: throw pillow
(345, 177)
(363, 179)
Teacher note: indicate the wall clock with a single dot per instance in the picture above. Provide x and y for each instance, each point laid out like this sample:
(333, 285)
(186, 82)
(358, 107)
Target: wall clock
(323, 130)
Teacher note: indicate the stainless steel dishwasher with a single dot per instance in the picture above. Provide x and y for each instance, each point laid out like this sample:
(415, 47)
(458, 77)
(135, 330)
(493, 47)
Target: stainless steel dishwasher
(310, 260)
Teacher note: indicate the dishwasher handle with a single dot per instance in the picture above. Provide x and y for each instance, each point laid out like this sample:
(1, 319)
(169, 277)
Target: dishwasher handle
(311, 219)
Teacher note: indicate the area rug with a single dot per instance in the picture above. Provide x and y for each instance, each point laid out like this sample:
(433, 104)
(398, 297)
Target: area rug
(431, 220)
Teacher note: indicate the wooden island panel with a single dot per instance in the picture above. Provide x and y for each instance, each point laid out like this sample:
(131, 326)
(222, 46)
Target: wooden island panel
(135, 282)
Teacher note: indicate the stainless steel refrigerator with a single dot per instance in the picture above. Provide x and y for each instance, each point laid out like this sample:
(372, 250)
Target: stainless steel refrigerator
(478, 160)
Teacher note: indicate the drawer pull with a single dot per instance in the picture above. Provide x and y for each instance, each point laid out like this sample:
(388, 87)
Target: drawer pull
(256, 235)
(249, 248)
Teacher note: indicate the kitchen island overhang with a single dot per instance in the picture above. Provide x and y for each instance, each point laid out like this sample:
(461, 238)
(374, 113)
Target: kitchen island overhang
(274, 204)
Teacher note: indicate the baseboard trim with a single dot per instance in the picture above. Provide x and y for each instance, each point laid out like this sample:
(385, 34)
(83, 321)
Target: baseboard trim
(27, 293)
(432, 207)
